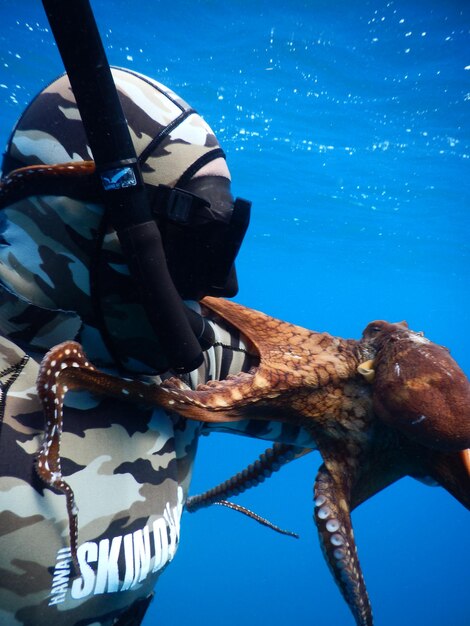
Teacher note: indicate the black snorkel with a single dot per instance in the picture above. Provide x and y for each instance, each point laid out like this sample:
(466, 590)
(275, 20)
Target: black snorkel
(125, 197)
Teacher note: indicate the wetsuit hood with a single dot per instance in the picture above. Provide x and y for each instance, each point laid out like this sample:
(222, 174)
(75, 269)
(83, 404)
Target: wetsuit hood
(62, 273)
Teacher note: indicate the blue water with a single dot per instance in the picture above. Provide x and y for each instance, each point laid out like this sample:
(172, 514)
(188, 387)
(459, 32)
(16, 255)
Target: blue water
(347, 125)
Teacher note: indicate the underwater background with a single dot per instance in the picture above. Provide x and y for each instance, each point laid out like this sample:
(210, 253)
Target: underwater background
(347, 125)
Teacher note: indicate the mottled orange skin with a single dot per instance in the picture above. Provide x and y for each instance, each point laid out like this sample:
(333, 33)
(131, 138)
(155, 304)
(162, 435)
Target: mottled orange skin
(303, 377)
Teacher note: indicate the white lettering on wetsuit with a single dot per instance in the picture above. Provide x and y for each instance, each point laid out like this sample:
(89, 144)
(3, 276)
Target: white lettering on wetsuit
(117, 564)
(61, 576)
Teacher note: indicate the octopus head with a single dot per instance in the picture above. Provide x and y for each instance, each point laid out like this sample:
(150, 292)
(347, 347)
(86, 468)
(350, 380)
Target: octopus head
(418, 388)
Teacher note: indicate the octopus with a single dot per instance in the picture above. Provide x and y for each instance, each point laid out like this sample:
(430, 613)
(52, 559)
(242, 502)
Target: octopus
(74, 177)
(389, 405)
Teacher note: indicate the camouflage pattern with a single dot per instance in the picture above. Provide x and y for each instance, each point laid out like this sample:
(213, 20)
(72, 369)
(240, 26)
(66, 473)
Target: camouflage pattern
(51, 241)
(168, 135)
(129, 467)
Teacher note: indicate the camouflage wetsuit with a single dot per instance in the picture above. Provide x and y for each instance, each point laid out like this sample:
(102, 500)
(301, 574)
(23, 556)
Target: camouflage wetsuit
(129, 468)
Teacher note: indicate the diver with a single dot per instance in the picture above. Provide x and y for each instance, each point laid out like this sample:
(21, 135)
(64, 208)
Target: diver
(116, 218)
(63, 276)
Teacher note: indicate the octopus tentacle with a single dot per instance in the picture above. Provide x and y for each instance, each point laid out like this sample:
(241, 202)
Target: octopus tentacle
(332, 517)
(256, 517)
(66, 367)
(46, 179)
(52, 390)
(451, 470)
(68, 364)
(270, 461)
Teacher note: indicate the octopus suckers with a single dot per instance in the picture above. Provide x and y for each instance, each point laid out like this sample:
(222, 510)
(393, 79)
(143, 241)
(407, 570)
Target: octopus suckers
(324, 512)
(339, 553)
(337, 539)
(319, 500)
(332, 525)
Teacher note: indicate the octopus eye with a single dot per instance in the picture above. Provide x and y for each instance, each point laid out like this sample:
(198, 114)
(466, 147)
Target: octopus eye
(372, 330)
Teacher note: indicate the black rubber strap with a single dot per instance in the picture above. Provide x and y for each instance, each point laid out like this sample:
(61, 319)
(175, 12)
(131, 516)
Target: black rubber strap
(124, 194)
